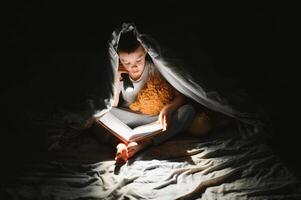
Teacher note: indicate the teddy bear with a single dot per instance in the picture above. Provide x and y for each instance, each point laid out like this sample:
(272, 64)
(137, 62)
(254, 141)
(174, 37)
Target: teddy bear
(152, 97)
(157, 92)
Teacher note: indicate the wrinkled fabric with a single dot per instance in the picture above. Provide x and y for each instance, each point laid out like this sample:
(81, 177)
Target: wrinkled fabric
(189, 76)
(221, 167)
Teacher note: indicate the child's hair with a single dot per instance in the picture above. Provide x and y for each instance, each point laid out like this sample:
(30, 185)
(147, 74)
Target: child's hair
(128, 42)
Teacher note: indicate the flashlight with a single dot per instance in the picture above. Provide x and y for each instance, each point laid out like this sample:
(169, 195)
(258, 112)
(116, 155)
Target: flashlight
(127, 83)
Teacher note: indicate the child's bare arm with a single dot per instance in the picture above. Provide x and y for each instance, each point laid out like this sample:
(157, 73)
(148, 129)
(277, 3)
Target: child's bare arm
(121, 70)
(116, 93)
(178, 101)
(168, 109)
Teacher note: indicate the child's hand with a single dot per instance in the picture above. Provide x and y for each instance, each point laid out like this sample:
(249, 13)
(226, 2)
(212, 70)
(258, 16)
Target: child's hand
(164, 116)
(121, 70)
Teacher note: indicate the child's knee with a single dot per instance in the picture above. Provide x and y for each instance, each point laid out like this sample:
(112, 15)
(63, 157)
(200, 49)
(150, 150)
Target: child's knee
(186, 113)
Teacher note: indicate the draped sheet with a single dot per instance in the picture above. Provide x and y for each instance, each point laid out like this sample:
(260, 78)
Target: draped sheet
(189, 75)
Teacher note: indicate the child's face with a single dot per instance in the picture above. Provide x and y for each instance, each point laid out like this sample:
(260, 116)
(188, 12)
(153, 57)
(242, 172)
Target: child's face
(134, 62)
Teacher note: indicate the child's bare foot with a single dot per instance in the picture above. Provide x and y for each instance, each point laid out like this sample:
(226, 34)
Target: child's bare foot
(124, 152)
(134, 147)
(121, 153)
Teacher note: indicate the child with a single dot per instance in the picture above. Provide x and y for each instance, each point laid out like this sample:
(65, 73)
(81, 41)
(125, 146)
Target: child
(174, 117)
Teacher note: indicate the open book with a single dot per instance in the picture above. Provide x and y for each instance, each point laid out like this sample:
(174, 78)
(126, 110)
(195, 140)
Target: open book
(124, 132)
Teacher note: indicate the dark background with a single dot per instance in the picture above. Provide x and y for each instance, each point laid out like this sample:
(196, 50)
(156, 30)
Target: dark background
(55, 52)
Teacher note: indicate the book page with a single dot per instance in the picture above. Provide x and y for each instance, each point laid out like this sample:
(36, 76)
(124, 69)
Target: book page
(116, 125)
(146, 129)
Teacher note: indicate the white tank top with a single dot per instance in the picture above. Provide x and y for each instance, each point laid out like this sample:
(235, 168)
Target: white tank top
(130, 97)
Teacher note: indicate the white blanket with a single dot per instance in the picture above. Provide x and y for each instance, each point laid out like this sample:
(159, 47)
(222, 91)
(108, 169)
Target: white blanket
(221, 166)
